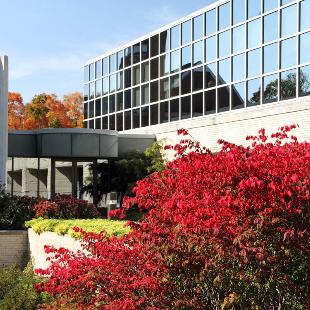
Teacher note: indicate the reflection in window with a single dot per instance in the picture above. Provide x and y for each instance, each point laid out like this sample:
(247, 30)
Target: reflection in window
(154, 68)
(164, 65)
(224, 71)
(112, 104)
(175, 37)
(128, 57)
(105, 66)
(91, 72)
(186, 57)
(98, 107)
(254, 62)
(198, 53)
(271, 58)
(154, 114)
(112, 83)
(304, 81)
(86, 74)
(145, 98)
(186, 32)
(305, 48)
(224, 16)
(288, 53)
(198, 78)
(145, 49)
(120, 80)
(186, 82)
(98, 123)
(164, 42)
(238, 67)
(112, 122)
(98, 88)
(210, 75)
(164, 112)
(210, 102)
(304, 15)
(288, 84)
(175, 61)
(254, 8)
(98, 69)
(224, 44)
(174, 110)
(270, 5)
(288, 20)
(136, 97)
(105, 85)
(198, 27)
(164, 88)
(136, 118)
(119, 121)
(238, 11)
(270, 91)
(120, 60)
(154, 91)
(136, 75)
(145, 116)
(86, 92)
(136, 53)
(239, 39)
(154, 46)
(197, 105)
(174, 85)
(91, 90)
(91, 109)
(253, 93)
(210, 22)
(254, 33)
(127, 120)
(105, 105)
(128, 99)
(120, 102)
(223, 95)
(238, 96)
(186, 107)
(145, 72)
(271, 28)
(112, 63)
(211, 49)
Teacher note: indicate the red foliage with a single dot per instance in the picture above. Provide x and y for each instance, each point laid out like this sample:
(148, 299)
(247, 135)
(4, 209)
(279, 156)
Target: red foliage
(227, 230)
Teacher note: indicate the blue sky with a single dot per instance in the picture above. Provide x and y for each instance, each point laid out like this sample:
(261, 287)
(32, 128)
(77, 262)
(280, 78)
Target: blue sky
(48, 41)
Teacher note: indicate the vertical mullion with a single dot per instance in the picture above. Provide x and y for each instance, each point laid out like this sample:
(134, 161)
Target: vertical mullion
(297, 49)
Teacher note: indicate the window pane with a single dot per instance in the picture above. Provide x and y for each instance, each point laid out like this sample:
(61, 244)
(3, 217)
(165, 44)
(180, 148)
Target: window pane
(305, 48)
(136, 53)
(119, 121)
(105, 66)
(254, 63)
(120, 60)
(254, 8)
(91, 72)
(120, 80)
(175, 37)
(145, 98)
(127, 120)
(224, 72)
(91, 124)
(288, 84)
(238, 67)
(238, 96)
(127, 99)
(86, 74)
(270, 5)
(105, 86)
(186, 82)
(98, 107)
(210, 22)
(127, 77)
(112, 122)
(164, 65)
(175, 61)
(210, 102)
(289, 20)
(136, 75)
(128, 56)
(223, 94)
(197, 78)
(154, 68)
(211, 49)
(86, 92)
(186, 57)
(288, 53)
(224, 16)
(136, 118)
(136, 97)
(112, 83)
(120, 101)
(154, 91)
(164, 42)
(98, 123)
(198, 27)
(164, 112)
(253, 92)
(210, 75)
(185, 107)
(239, 39)
(304, 15)
(186, 32)
(224, 44)
(283, 2)
(98, 69)
(154, 45)
(197, 105)
(145, 49)
(98, 88)
(174, 85)
(112, 104)
(154, 114)
(145, 116)
(164, 88)
(238, 11)
(91, 90)
(270, 88)
(105, 123)
(112, 63)
(105, 105)
(254, 33)
(271, 29)
(198, 53)
(304, 81)
(174, 110)
(271, 58)
(91, 109)
(145, 72)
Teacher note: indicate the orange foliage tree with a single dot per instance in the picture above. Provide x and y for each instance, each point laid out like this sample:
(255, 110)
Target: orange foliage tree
(16, 110)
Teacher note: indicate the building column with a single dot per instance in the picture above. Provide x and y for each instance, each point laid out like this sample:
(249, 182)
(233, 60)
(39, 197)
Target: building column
(74, 178)
(38, 177)
(52, 177)
(12, 176)
(95, 182)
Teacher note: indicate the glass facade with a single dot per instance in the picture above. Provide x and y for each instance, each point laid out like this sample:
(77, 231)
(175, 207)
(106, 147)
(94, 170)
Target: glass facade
(233, 55)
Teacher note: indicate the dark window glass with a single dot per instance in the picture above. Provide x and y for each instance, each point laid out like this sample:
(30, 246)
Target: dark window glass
(289, 20)
(98, 123)
(186, 32)
(85, 110)
(164, 65)
(145, 72)
(127, 120)
(270, 91)
(112, 63)
(105, 105)
(288, 53)
(136, 118)
(239, 39)
(105, 85)
(210, 75)
(154, 91)
(164, 112)
(120, 80)
(145, 97)
(254, 62)
(120, 101)
(154, 45)
(98, 88)
(105, 123)
(91, 72)
(120, 60)
(98, 69)
(224, 16)
(238, 96)
(154, 114)
(288, 84)
(145, 49)
(305, 48)
(304, 81)
(112, 104)
(211, 22)
(238, 67)
(164, 88)
(210, 102)
(185, 107)
(174, 110)
(91, 109)
(128, 99)
(198, 57)
(128, 56)
(175, 62)
(186, 57)
(254, 89)
(112, 122)
(270, 5)
(224, 44)
(86, 74)
(154, 68)
(145, 116)
(91, 124)
(136, 75)
(175, 37)
(198, 27)
(186, 82)
(112, 83)
(271, 28)
(98, 107)
(198, 105)
(86, 92)
(224, 71)
(127, 77)
(271, 58)
(304, 15)
(174, 85)
(211, 49)
(197, 78)
(91, 90)
(85, 124)
(105, 66)
(119, 121)
(254, 8)
(223, 94)
(238, 11)
(136, 53)
(136, 97)
(164, 42)
(254, 33)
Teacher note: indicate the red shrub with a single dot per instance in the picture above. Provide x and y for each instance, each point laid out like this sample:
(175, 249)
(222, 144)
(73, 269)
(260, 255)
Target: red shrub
(227, 230)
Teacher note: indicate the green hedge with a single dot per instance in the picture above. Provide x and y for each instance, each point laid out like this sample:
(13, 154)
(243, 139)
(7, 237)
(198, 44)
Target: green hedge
(63, 227)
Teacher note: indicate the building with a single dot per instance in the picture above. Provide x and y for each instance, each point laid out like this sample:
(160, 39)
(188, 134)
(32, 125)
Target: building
(222, 72)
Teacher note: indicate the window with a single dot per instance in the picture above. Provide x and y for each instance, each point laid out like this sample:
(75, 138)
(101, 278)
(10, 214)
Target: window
(98, 123)
(164, 65)
(127, 120)
(145, 49)
(119, 121)
(136, 118)
(105, 85)
(254, 8)
(112, 122)
(154, 114)
(238, 96)
(211, 49)
(145, 72)
(270, 91)
(271, 58)
(136, 53)
(254, 33)
(211, 22)
(164, 112)
(91, 124)
(304, 15)
(186, 107)
(86, 92)
(154, 68)
(175, 37)
(304, 81)
(198, 57)
(186, 32)
(224, 16)
(239, 39)
(136, 75)
(305, 48)
(288, 84)
(128, 99)
(174, 85)
(238, 67)
(112, 63)
(86, 74)
(223, 94)
(154, 91)
(186, 57)
(164, 42)
(105, 66)
(288, 20)
(119, 102)
(98, 69)
(224, 44)
(145, 98)
(105, 123)
(288, 53)
(120, 60)
(91, 109)
(270, 5)
(135, 97)
(198, 78)
(283, 2)
(128, 57)
(164, 88)
(91, 72)
(210, 75)
(174, 110)
(210, 102)
(175, 61)
(271, 29)
(105, 105)
(98, 88)
(91, 90)
(197, 105)
(224, 71)
(254, 63)
(112, 83)
(254, 89)
(238, 11)
(198, 27)
(119, 80)
(145, 116)
(186, 82)
(98, 107)
(112, 104)
(154, 46)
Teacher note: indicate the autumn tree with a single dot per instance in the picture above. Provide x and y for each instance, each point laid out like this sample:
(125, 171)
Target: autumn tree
(16, 111)
(74, 105)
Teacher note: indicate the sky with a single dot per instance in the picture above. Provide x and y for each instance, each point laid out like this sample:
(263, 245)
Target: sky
(49, 41)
